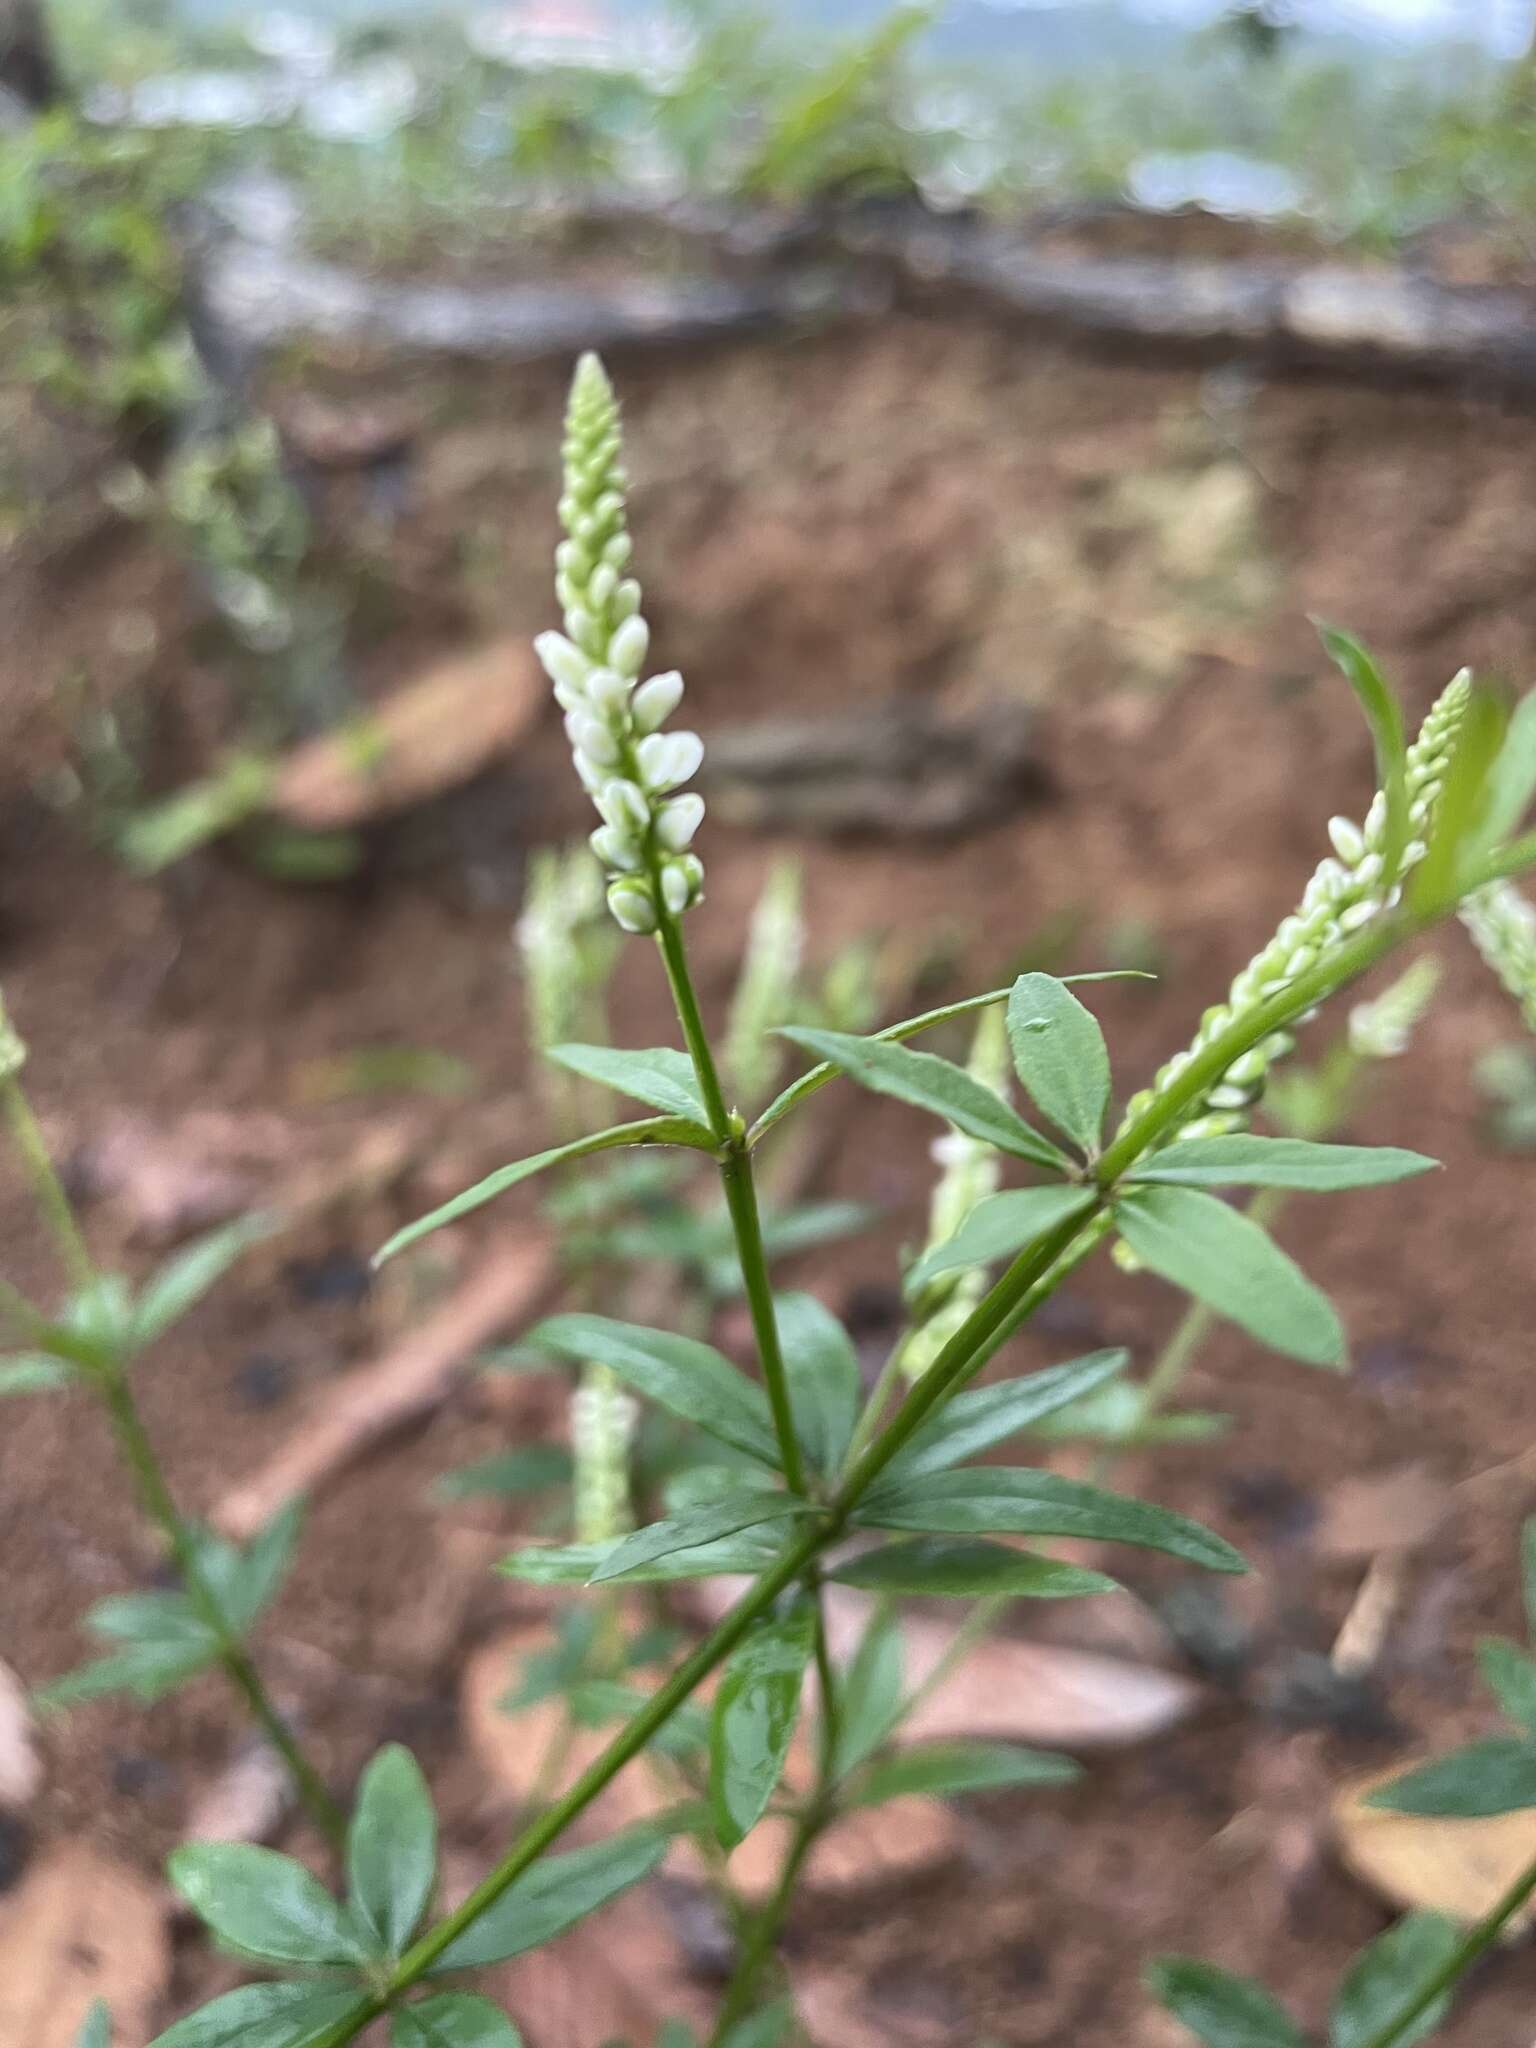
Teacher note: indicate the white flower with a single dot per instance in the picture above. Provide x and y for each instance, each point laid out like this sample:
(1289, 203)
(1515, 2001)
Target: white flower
(624, 759)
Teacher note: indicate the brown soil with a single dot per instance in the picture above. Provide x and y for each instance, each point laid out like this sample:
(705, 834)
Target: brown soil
(933, 507)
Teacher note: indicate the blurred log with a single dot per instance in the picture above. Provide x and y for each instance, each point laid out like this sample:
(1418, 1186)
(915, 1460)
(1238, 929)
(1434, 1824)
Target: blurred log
(405, 1386)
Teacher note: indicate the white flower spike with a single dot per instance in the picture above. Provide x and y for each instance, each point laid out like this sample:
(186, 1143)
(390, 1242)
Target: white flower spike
(627, 764)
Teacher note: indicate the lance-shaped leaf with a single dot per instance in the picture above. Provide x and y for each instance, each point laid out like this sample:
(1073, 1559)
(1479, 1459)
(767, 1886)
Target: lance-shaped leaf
(573, 1564)
(1385, 1979)
(1384, 716)
(1511, 1677)
(998, 1227)
(1225, 1260)
(553, 1895)
(452, 2019)
(34, 1372)
(966, 1569)
(942, 1770)
(1219, 2009)
(264, 1903)
(1244, 1160)
(663, 1076)
(266, 2016)
(1060, 1056)
(909, 1027)
(1009, 1500)
(754, 1718)
(186, 1278)
(1512, 779)
(391, 1848)
(658, 1540)
(823, 1373)
(1457, 822)
(1497, 1775)
(983, 1416)
(680, 1374)
(927, 1082)
(654, 1130)
(869, 1699)
(96, 2029)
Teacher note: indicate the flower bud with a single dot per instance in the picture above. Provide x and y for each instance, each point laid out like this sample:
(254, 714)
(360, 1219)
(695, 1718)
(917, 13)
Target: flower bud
(607, 690)
(627, 649)
(615, 849)
(1348, 840)
(667, 758)
(630, 901)
(595, 740)
(655, 701)
(678, 819)
(623, 805)
(564, 664)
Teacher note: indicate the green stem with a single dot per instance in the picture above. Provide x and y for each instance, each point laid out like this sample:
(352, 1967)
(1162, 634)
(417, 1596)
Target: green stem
(763, 1936)
(138, 1452)
(1476, 1943)
(600, 1773)
(111, 1383)
(1033, 1274)
(46, 1185)
(740, 1200)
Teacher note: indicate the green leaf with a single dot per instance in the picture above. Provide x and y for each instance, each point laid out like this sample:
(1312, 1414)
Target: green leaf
(1278, 1163)
(1060, 1056)
(982, 1500)
(391, 1848)
(1384, 716)
(553, 1895)
(1497, 1775)
(572, 1564)
(452, 2019)
(983, 1416)
(823, 1373)
(680, 1374)
(1383, 1979)
(1528, 1571)
(1512, 780)
(1225, 1260)
(943, 1769)
(997, 1228)
(1219, 2009)
(654, 1130)
(149, 1671)
(662, 1077)
(909, 1027)
(1511, 1677)
(927, 1082)
(754, 1718)
(767, 2028)
(162, 1619)
(870, 1696)
(531, 1468)
(263, 1903)
(96, 2032)
(34, 1372)
(186, 1278)
(1456, 823)
(265, 2016)
(747, 1510)
(1117, 1414)
(965, 1569)
(263, 1565)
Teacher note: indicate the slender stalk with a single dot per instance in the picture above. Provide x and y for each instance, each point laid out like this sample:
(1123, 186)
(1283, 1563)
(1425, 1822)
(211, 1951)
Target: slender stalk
(874, 1407)
(1035, 1273)
(111, 1383)
(763, 1936)
(139, 1454)
(1476, 1943)
(46, 1185)
(740, 1198)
